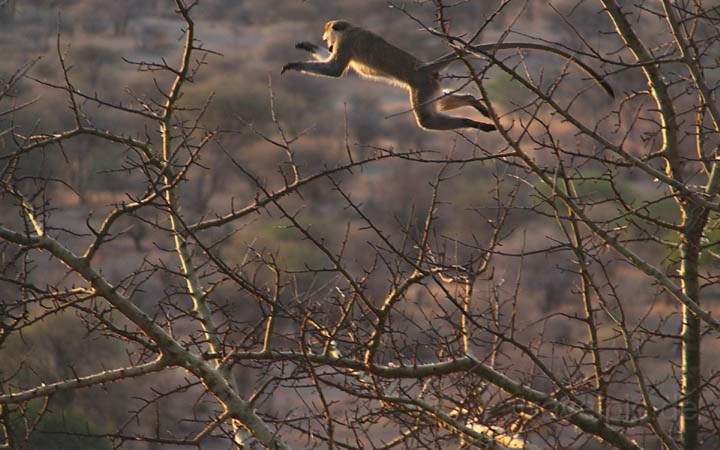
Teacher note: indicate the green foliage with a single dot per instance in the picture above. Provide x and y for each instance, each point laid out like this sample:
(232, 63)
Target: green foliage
(281, 238)
(503, 88)
(709, 255)
(596, 186)
(54, 342)
(50, 433)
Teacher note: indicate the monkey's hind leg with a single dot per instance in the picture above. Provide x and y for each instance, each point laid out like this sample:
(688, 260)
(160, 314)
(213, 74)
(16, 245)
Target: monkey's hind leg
(423, 98)
(453, 101)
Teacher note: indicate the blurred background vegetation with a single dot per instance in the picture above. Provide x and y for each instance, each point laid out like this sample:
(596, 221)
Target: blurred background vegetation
(255, 38)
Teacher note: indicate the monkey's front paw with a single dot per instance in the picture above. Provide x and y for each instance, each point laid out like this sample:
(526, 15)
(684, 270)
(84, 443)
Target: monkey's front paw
(307, 46)
(290, 66)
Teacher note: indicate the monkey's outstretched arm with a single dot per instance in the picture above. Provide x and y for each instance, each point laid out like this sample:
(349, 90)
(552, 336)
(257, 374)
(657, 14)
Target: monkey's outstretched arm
(333, 66)
(442, 62)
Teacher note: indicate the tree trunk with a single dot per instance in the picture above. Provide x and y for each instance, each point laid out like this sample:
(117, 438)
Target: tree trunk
(694, 224)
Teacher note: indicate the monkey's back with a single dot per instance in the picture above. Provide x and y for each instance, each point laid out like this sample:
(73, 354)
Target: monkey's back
(374, 57)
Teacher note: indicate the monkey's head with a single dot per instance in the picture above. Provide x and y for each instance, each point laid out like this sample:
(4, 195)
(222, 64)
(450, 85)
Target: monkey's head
(333, 30)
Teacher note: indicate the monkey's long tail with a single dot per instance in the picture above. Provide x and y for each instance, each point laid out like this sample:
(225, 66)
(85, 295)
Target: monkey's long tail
(488, 48)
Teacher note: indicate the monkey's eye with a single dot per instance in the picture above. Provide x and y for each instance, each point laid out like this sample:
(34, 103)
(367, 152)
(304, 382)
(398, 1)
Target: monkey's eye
(330, 48)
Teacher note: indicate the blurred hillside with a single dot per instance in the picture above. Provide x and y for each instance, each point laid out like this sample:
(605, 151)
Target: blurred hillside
(253, 39)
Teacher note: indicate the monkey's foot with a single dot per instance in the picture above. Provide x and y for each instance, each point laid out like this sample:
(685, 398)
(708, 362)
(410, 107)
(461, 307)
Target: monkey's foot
(486, 127)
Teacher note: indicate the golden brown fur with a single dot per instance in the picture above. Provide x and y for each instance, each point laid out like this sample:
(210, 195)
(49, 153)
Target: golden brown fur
(373, 57)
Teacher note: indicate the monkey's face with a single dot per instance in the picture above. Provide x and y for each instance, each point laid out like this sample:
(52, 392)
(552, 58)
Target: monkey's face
(333, 31)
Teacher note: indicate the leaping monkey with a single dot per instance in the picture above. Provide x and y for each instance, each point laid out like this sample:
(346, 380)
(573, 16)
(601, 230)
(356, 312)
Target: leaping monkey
(373, 57)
